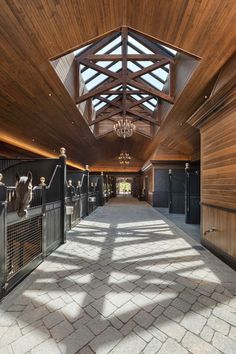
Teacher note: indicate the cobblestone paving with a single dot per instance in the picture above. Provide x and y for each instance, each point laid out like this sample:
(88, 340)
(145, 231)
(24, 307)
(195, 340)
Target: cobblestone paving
(127, 281)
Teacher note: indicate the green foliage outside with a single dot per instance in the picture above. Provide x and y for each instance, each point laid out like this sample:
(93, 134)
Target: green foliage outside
(124, 187)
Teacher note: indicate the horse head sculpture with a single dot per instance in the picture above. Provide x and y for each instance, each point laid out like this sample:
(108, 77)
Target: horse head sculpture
(23, 193)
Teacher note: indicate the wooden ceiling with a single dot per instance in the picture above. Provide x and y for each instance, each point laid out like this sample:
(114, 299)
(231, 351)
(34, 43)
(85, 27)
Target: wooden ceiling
(34, 103)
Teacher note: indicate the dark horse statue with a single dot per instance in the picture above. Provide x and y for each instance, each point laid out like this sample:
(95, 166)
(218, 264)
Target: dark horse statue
(23, 193)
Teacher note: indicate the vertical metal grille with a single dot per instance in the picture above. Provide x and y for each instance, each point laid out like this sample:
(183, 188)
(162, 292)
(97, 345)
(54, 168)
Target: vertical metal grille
(24, 243)
(76, 213)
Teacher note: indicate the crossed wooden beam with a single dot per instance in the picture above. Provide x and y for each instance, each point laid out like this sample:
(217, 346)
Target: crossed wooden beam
(119, 83)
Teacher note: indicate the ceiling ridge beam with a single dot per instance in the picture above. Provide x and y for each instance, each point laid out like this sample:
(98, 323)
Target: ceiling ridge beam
(118, 57)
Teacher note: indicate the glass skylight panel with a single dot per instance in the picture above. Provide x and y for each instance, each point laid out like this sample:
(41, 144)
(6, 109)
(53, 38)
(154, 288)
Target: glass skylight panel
(152, 81)
(140, 46)
(172, 51)
(144, 64)
(117, 51)
(132, 51)
(100, 105)
(88, 73)
(153, 101)
(104, 64)
(104, 96)
(95, 101)
(138, 98)
(109, 45)
(148, 105)
(96, 81)
(132, 88)
(112, 97)
(116, 88)
(162, 74)
(131, 66)
(78, 51)
(116, 67)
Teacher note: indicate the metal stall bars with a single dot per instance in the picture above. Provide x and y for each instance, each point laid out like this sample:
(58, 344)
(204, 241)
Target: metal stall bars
(26, 242)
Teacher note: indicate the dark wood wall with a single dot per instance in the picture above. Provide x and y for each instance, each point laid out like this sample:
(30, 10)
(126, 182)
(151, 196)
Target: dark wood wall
(216, 120)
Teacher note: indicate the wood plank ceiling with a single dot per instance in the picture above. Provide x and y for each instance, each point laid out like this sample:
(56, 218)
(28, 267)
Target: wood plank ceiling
(34, 103)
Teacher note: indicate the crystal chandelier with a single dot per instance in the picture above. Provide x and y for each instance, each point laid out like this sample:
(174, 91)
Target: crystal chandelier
(124, 158)
(124, 128)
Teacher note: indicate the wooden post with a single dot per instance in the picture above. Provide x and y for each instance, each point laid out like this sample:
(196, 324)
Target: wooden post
(62, 159)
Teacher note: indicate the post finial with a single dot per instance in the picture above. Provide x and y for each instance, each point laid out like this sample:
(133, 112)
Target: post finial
(1, 178)
(62, 152)
(42, 181)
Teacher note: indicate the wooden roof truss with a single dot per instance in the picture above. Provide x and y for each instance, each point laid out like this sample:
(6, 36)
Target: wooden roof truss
(126, 74)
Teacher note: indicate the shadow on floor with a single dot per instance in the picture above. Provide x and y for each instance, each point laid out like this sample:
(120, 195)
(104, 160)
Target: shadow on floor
(179, 220)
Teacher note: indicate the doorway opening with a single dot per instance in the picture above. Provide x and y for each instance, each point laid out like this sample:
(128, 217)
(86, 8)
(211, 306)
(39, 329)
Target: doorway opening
(123, 186)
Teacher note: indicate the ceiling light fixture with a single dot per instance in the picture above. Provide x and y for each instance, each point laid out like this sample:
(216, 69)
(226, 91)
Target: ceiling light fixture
(124, 158)
(124, 128)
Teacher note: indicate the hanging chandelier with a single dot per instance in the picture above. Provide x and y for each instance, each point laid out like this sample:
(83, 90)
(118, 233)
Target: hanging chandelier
(124, 128)
(124, 158)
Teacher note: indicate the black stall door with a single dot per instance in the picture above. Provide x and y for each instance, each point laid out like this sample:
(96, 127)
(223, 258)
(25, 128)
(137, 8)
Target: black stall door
(177, 191)
(192, 196)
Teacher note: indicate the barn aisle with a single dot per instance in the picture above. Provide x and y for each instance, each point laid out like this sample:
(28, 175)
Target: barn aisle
(127, 281)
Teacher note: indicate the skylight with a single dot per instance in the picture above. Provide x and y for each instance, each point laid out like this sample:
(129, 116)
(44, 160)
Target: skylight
(134, 77)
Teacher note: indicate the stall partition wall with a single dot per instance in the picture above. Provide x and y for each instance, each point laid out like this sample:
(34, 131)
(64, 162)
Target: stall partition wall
(26, 242)
(218, 171)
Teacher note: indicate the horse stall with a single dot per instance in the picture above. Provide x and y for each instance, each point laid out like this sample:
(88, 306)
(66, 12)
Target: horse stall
(83, 195)
(32, 216)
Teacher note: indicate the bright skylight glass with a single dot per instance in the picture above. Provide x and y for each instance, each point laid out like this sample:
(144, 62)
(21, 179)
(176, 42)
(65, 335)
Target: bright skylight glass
(109, 45)
(136, 97)
(152, 81)
(112, 97)
(99, 106)
(95, 101)
(162, 74)
(139, 45)
(104, 64)
(117, 51)
(132, 50)
(98, 80)
(148, 105)
(153, 101)
(88, 73)
(168, 49)
(78, 51)
(156, 78)
(115, 88)
(116, 67)
(132, 66)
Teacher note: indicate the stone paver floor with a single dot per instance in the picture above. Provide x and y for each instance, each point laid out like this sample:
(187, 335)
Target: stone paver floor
(127, 281)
